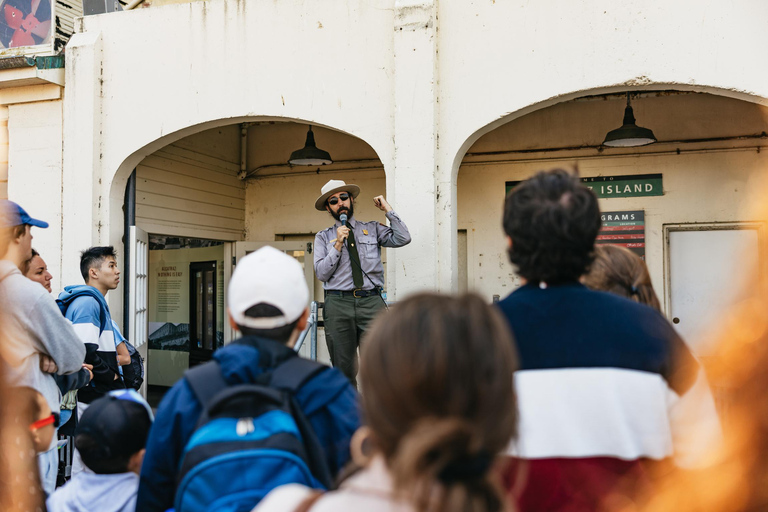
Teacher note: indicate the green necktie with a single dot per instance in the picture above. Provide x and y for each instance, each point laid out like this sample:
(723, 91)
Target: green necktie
(357, 273)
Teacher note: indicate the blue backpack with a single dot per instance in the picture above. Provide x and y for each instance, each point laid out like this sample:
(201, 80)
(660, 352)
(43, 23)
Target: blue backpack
(250, 438)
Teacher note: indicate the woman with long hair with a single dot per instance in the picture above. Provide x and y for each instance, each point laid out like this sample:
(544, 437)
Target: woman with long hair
(439, 406)
(618, 270)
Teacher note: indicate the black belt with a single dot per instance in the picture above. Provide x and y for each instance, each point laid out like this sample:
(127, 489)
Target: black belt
(358, 294)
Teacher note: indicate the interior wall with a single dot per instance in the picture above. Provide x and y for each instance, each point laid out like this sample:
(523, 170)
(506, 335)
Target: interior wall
(190, 188)
(286, 205)
(706, 182)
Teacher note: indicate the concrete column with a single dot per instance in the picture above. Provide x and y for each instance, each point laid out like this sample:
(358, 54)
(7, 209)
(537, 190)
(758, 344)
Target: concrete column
(81, 192)
(34, 172)
(411, 185)
(3, 152)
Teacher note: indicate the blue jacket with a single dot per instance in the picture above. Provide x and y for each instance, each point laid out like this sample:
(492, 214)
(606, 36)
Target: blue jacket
(328, 400)
(87, 309)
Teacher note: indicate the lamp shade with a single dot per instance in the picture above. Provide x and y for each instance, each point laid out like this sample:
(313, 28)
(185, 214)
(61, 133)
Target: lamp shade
(629, 134)
(310, 154)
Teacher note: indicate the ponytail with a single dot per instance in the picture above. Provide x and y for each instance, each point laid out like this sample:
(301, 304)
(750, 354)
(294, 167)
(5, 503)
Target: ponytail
(618, 270)
(440, 466)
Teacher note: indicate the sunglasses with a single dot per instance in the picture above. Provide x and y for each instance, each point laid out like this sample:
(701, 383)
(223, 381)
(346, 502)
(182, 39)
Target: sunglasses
(52, 419)
(341, 197)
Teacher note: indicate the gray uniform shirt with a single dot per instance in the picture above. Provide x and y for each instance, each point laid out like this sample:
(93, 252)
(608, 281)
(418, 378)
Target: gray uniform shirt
(334, 268)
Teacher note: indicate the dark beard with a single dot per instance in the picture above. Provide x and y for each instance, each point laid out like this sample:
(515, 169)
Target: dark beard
(349, 213)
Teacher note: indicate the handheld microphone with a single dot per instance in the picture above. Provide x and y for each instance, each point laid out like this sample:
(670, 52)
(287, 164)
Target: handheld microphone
(343, 219)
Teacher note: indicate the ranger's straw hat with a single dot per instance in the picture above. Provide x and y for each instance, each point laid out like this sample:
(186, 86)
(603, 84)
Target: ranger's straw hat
(331, 188)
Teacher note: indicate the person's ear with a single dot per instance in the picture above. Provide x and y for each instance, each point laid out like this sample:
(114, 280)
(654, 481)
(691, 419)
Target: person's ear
(93, 273)
(17, 240)
(232, 323)
(509, 242)
(303, 320)
(360, 446)
(134, 463)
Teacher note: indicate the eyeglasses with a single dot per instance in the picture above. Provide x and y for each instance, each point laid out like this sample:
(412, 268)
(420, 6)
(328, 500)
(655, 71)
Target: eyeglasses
(341, 197)
(52, 419)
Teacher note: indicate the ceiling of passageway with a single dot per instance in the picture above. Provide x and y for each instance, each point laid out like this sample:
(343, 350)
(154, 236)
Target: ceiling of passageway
(675, 117)
(270, 143)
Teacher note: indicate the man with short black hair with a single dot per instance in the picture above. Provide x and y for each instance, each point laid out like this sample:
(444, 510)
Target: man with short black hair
(600, 377)
(87, 309)
(35, 339)
(268, 303)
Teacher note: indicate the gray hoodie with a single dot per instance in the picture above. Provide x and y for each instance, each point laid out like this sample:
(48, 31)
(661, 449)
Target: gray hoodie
(89, 492)
(30, 324)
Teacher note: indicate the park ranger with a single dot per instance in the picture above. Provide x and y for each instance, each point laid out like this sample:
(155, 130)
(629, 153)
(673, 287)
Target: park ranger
(348, 262)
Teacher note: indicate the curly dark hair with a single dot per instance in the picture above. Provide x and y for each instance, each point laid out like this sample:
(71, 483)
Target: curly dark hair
(553, 221)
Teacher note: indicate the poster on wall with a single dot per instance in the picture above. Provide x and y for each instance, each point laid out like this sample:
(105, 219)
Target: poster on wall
(169, 294)
(626, 229)
(25, 23)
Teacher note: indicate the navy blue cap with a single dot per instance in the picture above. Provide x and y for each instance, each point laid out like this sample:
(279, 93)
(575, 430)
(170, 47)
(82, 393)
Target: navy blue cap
(11, 214)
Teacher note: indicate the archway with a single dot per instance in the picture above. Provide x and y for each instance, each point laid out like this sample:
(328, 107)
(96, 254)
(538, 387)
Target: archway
(200, 192)
(709, 149)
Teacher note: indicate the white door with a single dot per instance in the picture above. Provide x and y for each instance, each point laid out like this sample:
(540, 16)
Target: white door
(137, 307)
(302, 251)
(707, 268)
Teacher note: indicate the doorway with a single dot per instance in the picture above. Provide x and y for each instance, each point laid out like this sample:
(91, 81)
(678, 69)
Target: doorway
(705, 274)
(185, 314)
(204, 337)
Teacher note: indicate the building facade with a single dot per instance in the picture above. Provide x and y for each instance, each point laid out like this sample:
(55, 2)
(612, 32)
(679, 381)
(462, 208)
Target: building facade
(439, 105)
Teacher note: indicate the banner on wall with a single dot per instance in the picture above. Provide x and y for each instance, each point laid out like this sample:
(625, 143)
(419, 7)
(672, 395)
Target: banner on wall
(632, 185)
(626, 229)
(169, 295)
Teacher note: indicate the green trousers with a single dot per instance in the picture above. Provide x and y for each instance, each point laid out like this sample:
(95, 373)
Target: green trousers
(346, 320)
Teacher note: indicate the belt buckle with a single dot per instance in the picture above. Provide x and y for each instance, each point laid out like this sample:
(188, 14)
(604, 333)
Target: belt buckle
(355, 295)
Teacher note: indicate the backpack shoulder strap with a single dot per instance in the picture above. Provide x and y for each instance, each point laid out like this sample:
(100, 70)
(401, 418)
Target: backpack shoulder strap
(289, 376)
(103, 312)
(206, 382)
(292, 373)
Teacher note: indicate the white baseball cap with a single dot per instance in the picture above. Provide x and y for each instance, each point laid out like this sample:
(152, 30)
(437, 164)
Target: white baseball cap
(268, 276)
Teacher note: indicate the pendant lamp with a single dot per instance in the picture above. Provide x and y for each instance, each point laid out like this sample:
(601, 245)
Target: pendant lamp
(629, 135)
(310, 154)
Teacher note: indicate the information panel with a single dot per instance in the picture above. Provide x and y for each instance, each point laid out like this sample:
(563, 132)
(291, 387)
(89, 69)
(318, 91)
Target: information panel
(626, 229)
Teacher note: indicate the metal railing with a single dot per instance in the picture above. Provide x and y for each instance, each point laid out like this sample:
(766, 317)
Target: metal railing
(311, 330)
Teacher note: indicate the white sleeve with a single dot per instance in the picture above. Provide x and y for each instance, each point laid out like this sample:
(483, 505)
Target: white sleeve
(696, 429)
(285, 498)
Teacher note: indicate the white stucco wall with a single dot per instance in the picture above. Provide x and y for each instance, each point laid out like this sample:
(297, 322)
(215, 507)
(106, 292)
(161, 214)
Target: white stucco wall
(34, 175)
(382, 72)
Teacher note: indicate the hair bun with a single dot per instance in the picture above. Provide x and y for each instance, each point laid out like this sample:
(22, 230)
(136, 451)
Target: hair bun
(466, 468)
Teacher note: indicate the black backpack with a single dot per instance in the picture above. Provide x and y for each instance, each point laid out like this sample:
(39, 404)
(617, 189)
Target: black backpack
(133, 373)
(250, 438)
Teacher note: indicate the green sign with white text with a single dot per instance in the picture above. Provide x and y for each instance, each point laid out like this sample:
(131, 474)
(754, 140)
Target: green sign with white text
(638, 185)
(634, 185)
